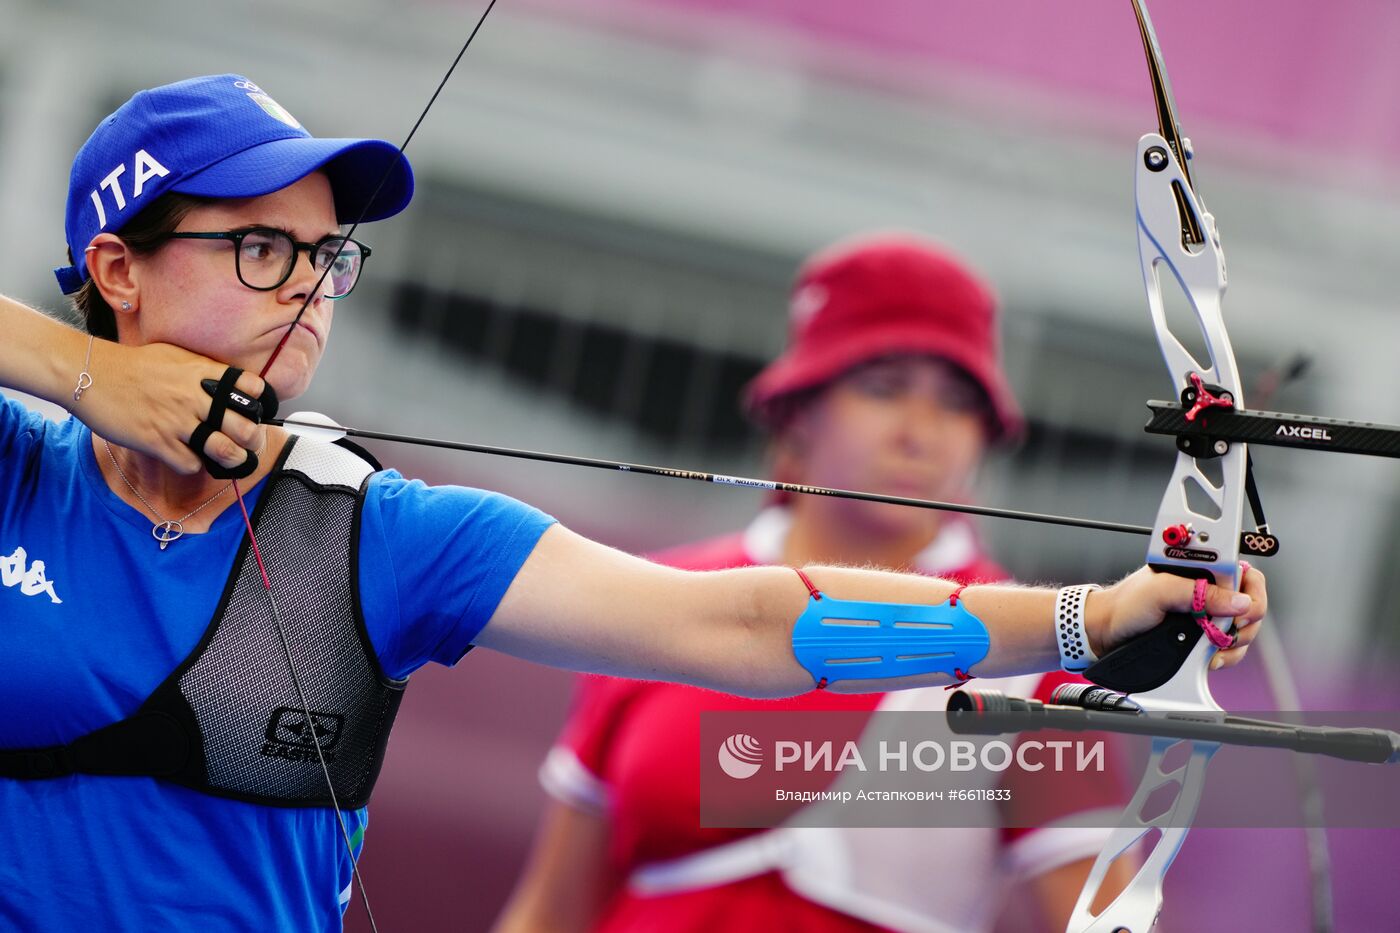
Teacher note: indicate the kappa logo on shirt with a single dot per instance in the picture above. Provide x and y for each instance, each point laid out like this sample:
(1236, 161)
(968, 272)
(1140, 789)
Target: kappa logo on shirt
(16, 570)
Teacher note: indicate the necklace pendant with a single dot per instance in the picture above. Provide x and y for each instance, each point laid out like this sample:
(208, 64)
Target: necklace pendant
(167, 531)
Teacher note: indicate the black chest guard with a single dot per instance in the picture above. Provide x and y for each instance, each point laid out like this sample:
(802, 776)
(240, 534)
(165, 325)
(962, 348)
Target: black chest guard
(229, 721)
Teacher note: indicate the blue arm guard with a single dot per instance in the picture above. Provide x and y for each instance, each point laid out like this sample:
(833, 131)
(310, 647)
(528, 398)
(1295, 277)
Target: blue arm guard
(837, 639)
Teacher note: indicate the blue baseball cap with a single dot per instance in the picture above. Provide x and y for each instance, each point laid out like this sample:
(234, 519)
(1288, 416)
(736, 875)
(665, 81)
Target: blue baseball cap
(219, 136)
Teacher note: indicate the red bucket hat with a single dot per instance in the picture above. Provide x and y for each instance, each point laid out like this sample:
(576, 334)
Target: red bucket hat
(882, 295)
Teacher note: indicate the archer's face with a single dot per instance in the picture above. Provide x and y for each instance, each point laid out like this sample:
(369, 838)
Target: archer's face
(909, 426)
(190, 294)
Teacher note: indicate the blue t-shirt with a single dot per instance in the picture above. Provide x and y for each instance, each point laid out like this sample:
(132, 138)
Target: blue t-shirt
(93, 616)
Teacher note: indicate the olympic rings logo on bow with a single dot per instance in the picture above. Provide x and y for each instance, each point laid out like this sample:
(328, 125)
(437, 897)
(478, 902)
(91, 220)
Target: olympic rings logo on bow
(1260, 544)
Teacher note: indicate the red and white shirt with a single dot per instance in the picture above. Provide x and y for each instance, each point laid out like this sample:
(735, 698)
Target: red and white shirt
(630, 750)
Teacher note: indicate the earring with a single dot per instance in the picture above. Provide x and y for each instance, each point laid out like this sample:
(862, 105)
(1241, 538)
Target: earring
(126, 306)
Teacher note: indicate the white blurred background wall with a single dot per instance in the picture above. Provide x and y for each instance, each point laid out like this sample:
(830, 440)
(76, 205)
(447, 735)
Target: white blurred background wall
(612, 199)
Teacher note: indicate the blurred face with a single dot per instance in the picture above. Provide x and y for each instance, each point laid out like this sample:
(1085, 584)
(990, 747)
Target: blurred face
(908, 426)
(189, 293)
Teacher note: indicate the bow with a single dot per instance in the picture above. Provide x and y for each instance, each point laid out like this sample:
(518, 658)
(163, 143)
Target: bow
(1199, 523)
(1198, 533)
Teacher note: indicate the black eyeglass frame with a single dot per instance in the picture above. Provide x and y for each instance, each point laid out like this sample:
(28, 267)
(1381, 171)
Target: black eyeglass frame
(236, 237)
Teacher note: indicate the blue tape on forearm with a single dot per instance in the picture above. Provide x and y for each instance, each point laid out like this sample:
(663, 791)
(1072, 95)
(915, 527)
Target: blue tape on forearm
(836, 639)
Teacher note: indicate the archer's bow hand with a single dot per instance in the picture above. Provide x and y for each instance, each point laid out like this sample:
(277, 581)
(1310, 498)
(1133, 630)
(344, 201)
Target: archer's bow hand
(1141, 601)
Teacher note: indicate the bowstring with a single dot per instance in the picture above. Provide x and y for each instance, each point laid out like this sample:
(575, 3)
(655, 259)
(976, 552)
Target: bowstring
(243, 508)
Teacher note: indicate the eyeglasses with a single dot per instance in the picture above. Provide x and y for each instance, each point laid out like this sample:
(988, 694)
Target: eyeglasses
(264, 258)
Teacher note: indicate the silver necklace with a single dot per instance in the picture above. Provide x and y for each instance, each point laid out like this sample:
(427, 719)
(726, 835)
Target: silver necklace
(164, 530)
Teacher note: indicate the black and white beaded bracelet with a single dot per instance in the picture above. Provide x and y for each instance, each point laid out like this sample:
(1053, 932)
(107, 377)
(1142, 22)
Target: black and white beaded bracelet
(1075, 653)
